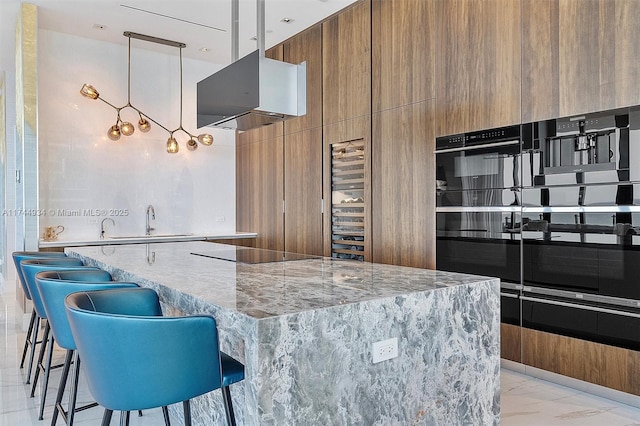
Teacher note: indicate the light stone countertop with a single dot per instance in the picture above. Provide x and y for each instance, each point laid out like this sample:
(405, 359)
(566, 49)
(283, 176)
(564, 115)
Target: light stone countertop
(264, 290)
(145, 239)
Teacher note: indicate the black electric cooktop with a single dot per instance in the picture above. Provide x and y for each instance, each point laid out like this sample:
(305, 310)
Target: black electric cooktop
(251, 255)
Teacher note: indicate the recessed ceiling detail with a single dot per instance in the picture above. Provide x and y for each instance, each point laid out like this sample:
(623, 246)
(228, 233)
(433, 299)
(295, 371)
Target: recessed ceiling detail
(172, 17)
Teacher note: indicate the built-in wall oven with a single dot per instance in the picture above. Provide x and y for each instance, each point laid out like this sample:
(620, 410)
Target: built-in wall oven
(552, 208)
(478, 209)
(581, 227)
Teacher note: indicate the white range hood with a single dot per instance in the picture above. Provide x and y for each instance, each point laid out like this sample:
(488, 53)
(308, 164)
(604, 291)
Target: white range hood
(253, 91)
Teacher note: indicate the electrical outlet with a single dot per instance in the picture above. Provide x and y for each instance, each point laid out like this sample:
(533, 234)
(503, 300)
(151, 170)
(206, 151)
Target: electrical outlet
(384, 350)
(220, 219)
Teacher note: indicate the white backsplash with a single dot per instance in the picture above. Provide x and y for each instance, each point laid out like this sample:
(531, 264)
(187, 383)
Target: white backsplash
(85, 177)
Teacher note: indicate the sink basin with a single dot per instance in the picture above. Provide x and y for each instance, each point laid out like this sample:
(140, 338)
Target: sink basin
(132, 237)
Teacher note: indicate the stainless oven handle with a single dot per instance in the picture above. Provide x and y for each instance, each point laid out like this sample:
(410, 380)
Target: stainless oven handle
(478, 209)
(511, 295)
(582, 209)
(584, 307)
(469, 148)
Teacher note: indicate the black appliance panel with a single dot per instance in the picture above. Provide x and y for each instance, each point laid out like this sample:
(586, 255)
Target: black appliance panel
(596, 322)
(478, 215)
(489, 161)
(600, 147)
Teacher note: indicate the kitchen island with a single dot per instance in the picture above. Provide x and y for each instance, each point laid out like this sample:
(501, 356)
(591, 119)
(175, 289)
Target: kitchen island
(304, 328)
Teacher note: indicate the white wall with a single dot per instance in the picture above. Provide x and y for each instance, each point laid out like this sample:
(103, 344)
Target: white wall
(8, 17)
(80, 168)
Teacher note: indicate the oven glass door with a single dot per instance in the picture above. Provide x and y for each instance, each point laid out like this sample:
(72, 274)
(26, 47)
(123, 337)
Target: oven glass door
(479, 167)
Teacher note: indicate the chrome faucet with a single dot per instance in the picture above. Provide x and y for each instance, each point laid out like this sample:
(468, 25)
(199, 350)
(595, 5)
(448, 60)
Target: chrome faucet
(151, 213)
(113, 222)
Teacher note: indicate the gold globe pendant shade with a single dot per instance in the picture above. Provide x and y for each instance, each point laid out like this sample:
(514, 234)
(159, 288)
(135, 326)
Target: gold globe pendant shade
(205, 139)
(192, 145)
(88, 91)
(114, 132)
(172, 145)
(144, 125)
(127, 128)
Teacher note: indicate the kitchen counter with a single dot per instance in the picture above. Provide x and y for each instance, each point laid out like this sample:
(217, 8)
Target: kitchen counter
(145, 239)
(304, 330)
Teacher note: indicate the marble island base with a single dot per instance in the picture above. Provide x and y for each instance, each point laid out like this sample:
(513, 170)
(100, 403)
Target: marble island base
(314, 366)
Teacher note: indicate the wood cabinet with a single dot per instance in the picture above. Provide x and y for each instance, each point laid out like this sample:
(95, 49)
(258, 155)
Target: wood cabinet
(579, 56)
(403, 184)
(605, 365)
(346, 64)
(511, 342)
(478, 65)
(307, 46)
(403, 56)
(303, 192)
(259, 189)
(353, 137)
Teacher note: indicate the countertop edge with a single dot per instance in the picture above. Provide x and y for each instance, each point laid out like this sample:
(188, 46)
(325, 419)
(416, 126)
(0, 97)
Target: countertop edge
(143, 240)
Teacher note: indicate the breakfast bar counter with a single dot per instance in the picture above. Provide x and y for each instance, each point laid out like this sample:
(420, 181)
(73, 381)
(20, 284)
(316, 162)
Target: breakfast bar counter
(304, 327)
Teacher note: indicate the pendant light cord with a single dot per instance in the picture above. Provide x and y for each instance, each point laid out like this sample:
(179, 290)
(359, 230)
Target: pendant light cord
(129, 74)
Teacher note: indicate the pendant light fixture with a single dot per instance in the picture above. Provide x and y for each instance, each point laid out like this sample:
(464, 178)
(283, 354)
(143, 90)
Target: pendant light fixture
(126, 128)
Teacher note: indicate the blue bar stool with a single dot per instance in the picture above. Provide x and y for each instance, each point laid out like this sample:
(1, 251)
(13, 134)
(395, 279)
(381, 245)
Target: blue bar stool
(30, 267)
(136, 359)
(19, 256)
(53, 287)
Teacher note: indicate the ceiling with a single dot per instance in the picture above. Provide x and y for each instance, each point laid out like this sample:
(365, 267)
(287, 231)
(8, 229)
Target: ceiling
(200, 24)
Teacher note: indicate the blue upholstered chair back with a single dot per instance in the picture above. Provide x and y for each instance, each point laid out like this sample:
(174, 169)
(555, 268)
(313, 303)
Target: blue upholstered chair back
(136, 360)
(19, 256)
(55, 286)
(30, 267)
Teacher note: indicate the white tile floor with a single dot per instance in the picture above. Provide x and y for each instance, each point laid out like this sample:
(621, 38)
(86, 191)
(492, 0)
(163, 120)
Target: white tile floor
(524, 400)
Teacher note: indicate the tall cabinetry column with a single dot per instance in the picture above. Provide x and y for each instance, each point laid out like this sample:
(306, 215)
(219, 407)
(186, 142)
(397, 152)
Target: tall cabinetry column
(346, 116)
(403, 135)
(303, 152)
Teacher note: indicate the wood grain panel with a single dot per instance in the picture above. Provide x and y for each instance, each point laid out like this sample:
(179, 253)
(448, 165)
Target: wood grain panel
(276, 52)
(403, 186)
(346, 64)
(510, 342)
(478, 66)
(540, 60)
(356, 128)
(579, 53)
(307, 46)
(579, 56)
(259, 191)
(403, 55)
(605, 365)
(627, 52)
(620, 369)
(245, 242)
(303, 192)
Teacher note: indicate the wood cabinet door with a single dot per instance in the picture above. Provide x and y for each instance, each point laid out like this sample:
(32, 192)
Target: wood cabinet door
(307, 46)
(303, 192)
(259, 190)
(403, 186)
(579, 56)
(478, 65)
(403, 56)
(346, 64)
(357, 129)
